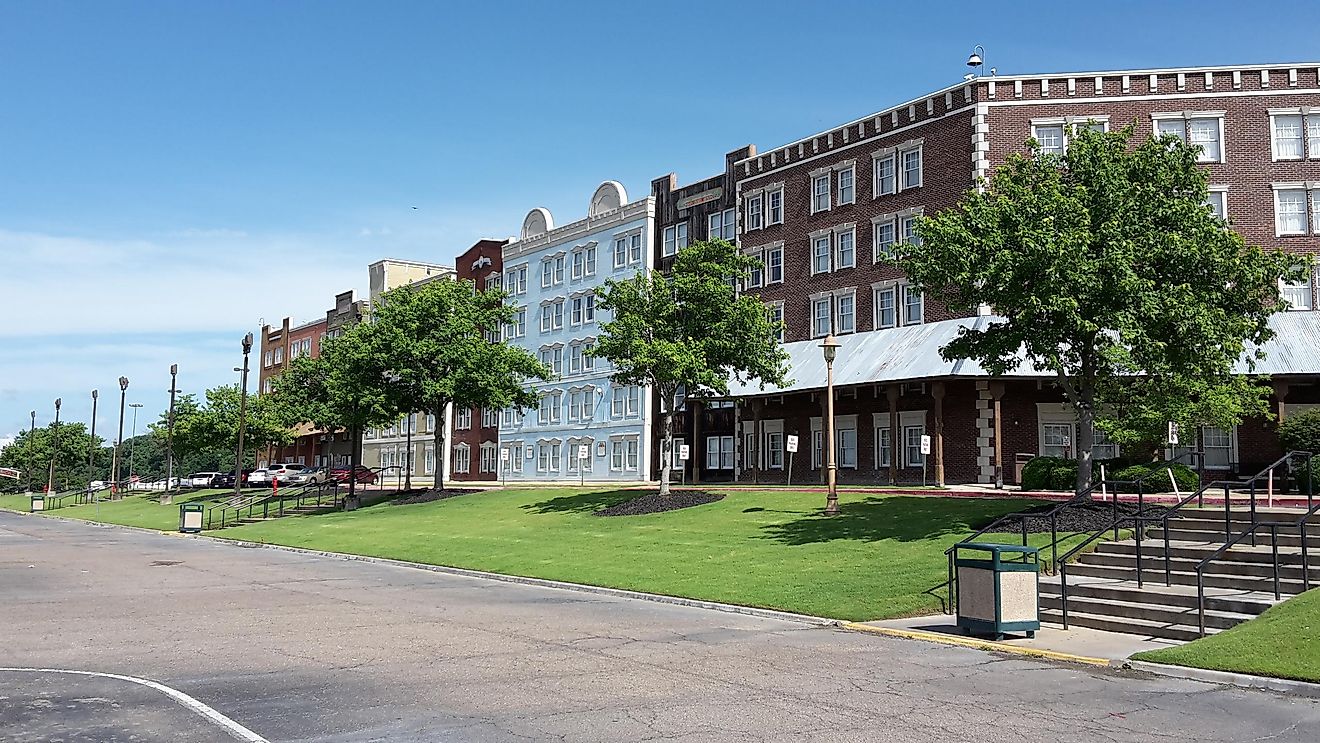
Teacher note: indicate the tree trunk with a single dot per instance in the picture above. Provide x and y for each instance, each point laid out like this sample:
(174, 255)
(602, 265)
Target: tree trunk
(351, 502)
(438, 438)
(667, 447)
(1085, 443)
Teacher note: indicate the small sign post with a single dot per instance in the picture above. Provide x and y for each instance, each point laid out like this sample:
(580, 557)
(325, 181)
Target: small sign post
(583, 454)
(925, 452)
(1173, 433)
(10, 472)
(504, 466)
(791, 446)
(684, 451)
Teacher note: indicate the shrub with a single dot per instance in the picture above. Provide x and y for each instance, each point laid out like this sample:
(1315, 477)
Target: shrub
(1157, 480)
(1057, 473)
(1049, 473)
(1301, 432)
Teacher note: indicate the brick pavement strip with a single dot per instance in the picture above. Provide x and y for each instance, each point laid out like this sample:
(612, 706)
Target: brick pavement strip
(300, 647)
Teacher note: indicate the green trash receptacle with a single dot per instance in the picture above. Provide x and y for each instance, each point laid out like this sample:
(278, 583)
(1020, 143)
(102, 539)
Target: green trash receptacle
(38, 502)
(998, 588)
(190, 517)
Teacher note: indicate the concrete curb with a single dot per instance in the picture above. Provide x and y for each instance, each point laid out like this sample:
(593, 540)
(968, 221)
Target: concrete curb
(1241, 680)
(971, 642)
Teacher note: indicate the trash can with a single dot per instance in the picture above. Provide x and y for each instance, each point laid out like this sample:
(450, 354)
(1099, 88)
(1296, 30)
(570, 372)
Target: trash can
(190, 517)
(38, 502)
(998, 588)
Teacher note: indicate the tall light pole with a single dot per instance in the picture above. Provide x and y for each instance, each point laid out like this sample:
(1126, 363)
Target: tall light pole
(132, 453)
(32, 450)
(91, 448)
(242, 416)
(54, 448)
(830, 347)
(169, 437)
(408, 457)
(119, 441)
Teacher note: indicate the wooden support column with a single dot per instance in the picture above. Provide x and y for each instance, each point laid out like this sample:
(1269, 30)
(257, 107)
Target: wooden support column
(698, 449)
(937, 443)
(757, 438)
(997, 394)
(1280, 393)
(892, 392)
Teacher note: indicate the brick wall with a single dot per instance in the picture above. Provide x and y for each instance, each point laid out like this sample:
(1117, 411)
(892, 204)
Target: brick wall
(484, 259)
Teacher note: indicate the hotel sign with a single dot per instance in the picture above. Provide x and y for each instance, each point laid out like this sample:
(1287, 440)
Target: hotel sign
(705, 197)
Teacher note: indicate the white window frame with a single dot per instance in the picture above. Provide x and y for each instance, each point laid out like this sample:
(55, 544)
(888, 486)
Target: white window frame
(722, 225)
(877, 290)
(878, 186)
(839, 233)
(1310, 222)
(1068, 126)
(774, 264)
(776, 310)
(462, 458)
(1187, 117)
(840, 198)
(1218, 195)
(821, 196)
(490, 457)
(719, 453)
(842, 424)
(675, 239)
(903, 153)
(755, 213)
(878, 225)
(774, 203)
(905, 289)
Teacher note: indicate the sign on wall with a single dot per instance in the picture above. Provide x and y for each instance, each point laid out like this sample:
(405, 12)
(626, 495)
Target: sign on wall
(705, 197)
(584, 451)
(925, 445)
(684, 451)
(791, 444)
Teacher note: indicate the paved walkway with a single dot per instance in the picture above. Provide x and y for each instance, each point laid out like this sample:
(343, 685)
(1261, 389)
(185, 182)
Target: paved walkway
(1081, 641)
(304, 648)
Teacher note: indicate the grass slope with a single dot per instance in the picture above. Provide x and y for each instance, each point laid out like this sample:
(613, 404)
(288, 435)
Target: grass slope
(134, 509)
(1284, 642)
(767, 548)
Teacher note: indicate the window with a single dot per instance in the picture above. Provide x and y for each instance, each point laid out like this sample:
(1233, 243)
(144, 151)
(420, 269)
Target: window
(489, 457)
(719, 452)
(556, 360)
(820, 193)
(616, 455)
(428, 460)
(1198, 129)
(1290, 216)
(845, 255)
(1297, 294)
(756, 274)
(884, 176)
(557, 314)
(884, 300)
(755, 213)
(548, 456)
(774, 450)
(462, 458)
(846, 442)
(675, 238)
(545, 318)
(912, 456)
(620, 252)
(847, 191)
(579, 264)
(515, 280)
(463, 419)
(279, 354)
(493, 282)
(1056, 439)
(517, 328)
(1050, 138)
(722, 225)
(774, 264)
(820, 317)
(820, 254)
(626, 402)
(777, 318)
(548, 412)
(1218, 201)
(1287, 136)
(635, 248)
(588, 361)
(584, 309)
(912, 168)
(912, 305)
(574, 360)
(547, 273)
(884, 448)
(908, 227)
(882, 235)
(516, 456)
(845, 317)
(490, 418)
(775, 204)
(430, 421)
(266, 359)
(1218, 446)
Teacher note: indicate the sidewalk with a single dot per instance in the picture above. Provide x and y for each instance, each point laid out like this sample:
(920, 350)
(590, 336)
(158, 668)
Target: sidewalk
(1085, 644)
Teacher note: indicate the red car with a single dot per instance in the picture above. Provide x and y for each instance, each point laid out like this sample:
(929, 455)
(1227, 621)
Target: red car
(340, 474)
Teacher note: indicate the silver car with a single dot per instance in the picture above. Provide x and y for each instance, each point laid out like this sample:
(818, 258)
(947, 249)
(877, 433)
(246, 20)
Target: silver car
(309, 476)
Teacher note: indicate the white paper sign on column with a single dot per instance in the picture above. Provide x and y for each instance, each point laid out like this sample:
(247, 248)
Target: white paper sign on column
(791, 443)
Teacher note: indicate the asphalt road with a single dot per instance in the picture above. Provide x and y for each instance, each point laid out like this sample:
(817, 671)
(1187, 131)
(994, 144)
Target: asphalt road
(302, 648)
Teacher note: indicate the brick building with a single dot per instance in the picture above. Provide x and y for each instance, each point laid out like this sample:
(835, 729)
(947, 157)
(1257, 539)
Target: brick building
(474, 433)
(702, 210)
(823, 212)
(278, 348)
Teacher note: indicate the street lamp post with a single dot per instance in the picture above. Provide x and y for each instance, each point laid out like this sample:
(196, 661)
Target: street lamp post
(91, 447)
(408, 456)
(119, 440)
(132, 453)
(169, 437)
(242, 416)
(54, 448)
(830, 348)
(32, 450)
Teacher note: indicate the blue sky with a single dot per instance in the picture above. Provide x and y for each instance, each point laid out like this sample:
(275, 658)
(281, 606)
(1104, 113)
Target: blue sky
(172, 173)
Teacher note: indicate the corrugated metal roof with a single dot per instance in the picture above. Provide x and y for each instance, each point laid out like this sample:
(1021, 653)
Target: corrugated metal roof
(913, 353)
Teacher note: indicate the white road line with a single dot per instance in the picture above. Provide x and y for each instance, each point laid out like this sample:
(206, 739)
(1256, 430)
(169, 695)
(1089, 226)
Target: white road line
(229, 726)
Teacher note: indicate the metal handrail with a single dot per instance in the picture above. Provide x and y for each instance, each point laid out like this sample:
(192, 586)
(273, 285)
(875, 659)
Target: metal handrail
(1300, 524)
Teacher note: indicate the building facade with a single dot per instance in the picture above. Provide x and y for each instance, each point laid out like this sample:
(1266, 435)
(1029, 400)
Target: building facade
(825, 212)
(279, 347)
(474, 433)
(551, 274)
(702, 210)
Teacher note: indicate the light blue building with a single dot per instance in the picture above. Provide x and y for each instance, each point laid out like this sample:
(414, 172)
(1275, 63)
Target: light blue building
(585, 427)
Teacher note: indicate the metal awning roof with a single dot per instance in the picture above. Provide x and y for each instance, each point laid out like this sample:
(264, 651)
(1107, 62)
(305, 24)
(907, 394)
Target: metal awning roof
(913, 353)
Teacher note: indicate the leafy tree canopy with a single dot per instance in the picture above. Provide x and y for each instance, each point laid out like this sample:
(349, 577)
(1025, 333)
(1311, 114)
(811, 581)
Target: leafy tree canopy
(1111, 273)
(30, 452)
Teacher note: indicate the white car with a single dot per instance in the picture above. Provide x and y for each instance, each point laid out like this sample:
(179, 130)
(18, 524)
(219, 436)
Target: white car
(284, 472)
(258, 478)
(202, 479)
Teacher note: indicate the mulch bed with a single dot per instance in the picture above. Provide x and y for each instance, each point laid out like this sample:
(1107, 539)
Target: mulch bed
(426, 496)
(654, 503)
(1083, 517)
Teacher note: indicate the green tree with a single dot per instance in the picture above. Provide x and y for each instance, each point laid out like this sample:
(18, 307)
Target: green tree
(1113, 275)
(436, 348)
(689, 331)
(343, 389)
(207, 428)
(30, 452)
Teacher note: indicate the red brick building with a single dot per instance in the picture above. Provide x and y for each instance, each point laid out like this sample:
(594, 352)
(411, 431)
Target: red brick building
(822, 213)
(279, 347)
(474, 433)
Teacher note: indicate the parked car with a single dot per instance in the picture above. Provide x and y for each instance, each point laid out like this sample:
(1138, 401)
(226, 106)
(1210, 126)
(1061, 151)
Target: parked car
(340, 474)
(203, 480)
(226, 480)
(258, 479)
(284, 472)
(309, 476)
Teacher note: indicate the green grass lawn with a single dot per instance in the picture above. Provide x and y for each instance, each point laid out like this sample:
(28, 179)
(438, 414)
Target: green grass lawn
(765, 548)
(1283, 642)
(134, 509)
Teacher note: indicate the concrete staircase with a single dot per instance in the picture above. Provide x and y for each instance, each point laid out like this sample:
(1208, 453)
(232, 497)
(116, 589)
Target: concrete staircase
(1103, 591)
